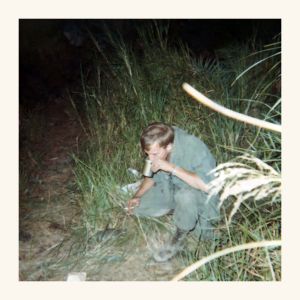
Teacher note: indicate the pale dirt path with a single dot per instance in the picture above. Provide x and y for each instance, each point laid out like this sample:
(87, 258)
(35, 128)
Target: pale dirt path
(49, 209)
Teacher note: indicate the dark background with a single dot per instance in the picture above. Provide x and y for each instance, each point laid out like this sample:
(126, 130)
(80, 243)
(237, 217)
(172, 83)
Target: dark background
(53, 52)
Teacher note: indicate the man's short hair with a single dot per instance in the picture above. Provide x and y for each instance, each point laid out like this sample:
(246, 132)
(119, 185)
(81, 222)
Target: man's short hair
(157, 132)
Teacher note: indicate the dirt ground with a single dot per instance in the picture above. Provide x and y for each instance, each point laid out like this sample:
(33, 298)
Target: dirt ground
(49, 207)
(49, 210)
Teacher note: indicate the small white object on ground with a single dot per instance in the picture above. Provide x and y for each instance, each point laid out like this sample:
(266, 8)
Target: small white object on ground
(132, 187)
(76, 276)
(134, 172)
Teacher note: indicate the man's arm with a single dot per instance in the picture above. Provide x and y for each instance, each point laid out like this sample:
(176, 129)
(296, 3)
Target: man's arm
(188, 177)
(144, 187)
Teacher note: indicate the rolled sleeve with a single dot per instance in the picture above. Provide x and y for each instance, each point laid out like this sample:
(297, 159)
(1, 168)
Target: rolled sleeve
(200, 160)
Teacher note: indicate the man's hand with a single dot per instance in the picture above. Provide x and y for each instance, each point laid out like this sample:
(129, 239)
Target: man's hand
(160, 164)
(132, 203)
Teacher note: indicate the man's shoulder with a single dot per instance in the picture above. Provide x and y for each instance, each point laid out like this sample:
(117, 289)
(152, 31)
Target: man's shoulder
(189, 150)
(179, 132)
(188, 142)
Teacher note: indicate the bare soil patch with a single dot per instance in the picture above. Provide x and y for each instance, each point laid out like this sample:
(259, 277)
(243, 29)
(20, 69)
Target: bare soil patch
(48, 208)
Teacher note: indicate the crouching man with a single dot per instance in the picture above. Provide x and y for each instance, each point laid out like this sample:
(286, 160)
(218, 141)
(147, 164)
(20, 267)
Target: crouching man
(180, 163)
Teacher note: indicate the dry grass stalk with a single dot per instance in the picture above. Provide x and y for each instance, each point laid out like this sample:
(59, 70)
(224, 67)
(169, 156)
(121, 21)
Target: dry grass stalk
(230, 113)
(243, 181)
(223, 252)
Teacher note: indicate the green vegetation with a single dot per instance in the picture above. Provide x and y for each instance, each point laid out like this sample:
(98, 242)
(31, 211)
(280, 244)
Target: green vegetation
(129, 90)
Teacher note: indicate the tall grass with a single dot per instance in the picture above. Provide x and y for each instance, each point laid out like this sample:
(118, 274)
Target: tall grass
(136, 89)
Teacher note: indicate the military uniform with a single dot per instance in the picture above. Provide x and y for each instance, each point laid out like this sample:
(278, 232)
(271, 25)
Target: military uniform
(169, 193)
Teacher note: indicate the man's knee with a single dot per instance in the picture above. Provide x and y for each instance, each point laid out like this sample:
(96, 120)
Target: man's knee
(151, 211)
(155, 202)
(188, 199)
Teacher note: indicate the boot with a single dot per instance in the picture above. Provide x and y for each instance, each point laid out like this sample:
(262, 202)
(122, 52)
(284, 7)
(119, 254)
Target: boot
(171, 249)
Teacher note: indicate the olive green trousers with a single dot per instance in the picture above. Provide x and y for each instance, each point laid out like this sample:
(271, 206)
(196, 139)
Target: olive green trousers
(191, 210)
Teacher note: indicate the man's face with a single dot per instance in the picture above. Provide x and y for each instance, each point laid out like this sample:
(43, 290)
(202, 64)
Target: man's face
(157, 152)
